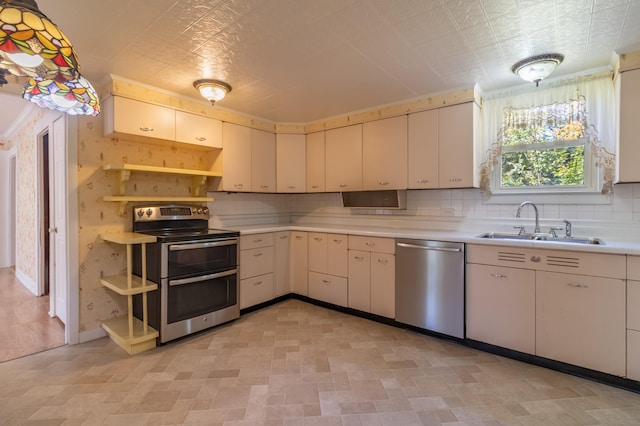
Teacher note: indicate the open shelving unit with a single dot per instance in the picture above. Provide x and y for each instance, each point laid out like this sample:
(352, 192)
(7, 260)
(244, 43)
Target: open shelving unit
(198, 179)
(130, 333)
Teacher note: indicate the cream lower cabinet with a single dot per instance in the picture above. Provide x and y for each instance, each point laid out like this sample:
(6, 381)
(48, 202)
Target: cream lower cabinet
(299, 263)
(579, 319)
(372, 275)
(500, 307)
(282, 272)
(328, 265)
(257, 257)
(633, 317)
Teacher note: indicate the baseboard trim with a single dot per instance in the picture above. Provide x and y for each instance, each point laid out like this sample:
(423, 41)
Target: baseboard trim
(31, 285)
(89, 335)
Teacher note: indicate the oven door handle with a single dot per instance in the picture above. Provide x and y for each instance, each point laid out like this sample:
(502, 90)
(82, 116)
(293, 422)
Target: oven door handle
(202, 278)
(195, 246)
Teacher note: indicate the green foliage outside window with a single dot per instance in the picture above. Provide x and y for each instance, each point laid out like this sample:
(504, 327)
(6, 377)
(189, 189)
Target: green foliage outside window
(543, 155)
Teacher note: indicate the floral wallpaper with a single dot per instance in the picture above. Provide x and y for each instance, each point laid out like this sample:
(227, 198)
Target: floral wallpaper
(24, 139)
(96, 257)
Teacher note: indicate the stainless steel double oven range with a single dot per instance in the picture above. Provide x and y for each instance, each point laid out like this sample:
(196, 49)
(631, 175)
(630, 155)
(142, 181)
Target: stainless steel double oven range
(196, 269)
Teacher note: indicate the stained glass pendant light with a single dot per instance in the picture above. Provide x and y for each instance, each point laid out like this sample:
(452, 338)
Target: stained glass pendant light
(31, 45)
(75, 97)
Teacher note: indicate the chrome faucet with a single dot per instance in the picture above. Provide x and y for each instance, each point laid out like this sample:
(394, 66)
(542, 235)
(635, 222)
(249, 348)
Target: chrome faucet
(535, 208)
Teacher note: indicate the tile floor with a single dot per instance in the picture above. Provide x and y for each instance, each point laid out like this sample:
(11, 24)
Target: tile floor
(298, 364)
(25, 324)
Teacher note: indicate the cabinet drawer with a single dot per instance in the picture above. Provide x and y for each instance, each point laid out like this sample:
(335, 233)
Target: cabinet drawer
(255, 241)
(256, 262)
(633, 305)
(328, 288)
(256, 290)
(374, 244)
(570, 262)
(633, 354)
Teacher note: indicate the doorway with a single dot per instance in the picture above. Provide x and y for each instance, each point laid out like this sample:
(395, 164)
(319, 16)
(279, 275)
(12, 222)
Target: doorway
(46, 229)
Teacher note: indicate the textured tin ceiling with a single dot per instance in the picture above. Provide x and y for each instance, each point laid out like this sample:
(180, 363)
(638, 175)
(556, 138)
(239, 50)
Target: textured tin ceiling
(304, 60)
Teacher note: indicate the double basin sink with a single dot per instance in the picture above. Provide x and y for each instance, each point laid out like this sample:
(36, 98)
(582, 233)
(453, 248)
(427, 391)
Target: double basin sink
(542, 237)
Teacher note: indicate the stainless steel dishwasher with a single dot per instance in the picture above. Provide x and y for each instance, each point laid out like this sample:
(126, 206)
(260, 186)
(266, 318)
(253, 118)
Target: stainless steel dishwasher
(430, 285)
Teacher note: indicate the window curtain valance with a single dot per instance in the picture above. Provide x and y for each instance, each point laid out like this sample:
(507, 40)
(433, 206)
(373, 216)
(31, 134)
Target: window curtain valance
(587, 99)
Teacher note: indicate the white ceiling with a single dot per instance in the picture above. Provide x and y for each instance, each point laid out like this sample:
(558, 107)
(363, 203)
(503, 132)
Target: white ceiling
(305, 60)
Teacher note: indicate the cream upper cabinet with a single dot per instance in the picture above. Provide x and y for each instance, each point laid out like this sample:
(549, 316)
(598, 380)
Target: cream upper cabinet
(422, 159)
(455, 146)
(343, 160)
(580, 320)
(132, 117)
(263, 161)
(291, 163)
(236, 158)
(315, 162)
(628, 149)
(198, 130)
(384, 154)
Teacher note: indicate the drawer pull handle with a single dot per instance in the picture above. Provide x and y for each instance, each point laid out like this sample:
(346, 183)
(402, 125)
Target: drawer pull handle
(326, 282)
(577, 285)
(257, 254)
(257, 283)
(298, 237)
(383, 261)
(337, 241)
(291, 187)
(283, 237)
(359, 258)
(146, 129)
(238, 185)
(201, 138)
(318, 238)
(370, 244)
(535, 259)
(315, 186)
(423, 181)
(383, 183)
(499, 276)
(258, 241)
(343, 185)
(264, 186)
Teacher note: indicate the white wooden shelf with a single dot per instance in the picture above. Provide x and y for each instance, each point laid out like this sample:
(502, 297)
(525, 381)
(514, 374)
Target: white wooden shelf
(198, 180)
(133, 335)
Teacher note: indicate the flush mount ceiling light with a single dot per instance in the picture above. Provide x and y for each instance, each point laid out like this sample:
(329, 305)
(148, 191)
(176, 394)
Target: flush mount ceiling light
(212, 90)
(536, 68)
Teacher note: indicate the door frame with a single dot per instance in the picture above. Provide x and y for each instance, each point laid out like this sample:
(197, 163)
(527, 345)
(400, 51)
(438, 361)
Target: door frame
(12, 205)
(69, 197)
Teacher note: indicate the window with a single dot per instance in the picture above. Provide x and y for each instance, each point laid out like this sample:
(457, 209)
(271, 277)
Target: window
(542, 143)
(543, 147)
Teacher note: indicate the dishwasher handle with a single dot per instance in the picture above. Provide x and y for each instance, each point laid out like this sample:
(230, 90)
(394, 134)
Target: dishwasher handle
(416, 246)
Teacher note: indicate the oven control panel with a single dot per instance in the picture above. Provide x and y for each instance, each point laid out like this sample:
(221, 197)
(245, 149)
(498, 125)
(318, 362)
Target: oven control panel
(151, 213)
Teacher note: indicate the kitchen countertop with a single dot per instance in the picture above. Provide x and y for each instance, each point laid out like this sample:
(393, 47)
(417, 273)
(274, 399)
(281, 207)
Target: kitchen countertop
(610, 246)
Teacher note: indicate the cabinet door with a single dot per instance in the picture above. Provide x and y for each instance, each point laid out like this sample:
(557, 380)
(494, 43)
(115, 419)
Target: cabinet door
(628, 149)
(500, 306)
(139, 118)
(263, 161)
(343, 160)
(580, 320)
(360, 280)
(198, 130)
(337, 254)
(299, 263)
(315, 162)
(328, 288)
(318, 252)
(291, 163)
(384, 154)
(282, 271)
(236, 158)
(633, 354)
(422, 160)
(383, 287)
(455, 146)
(256, 290)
